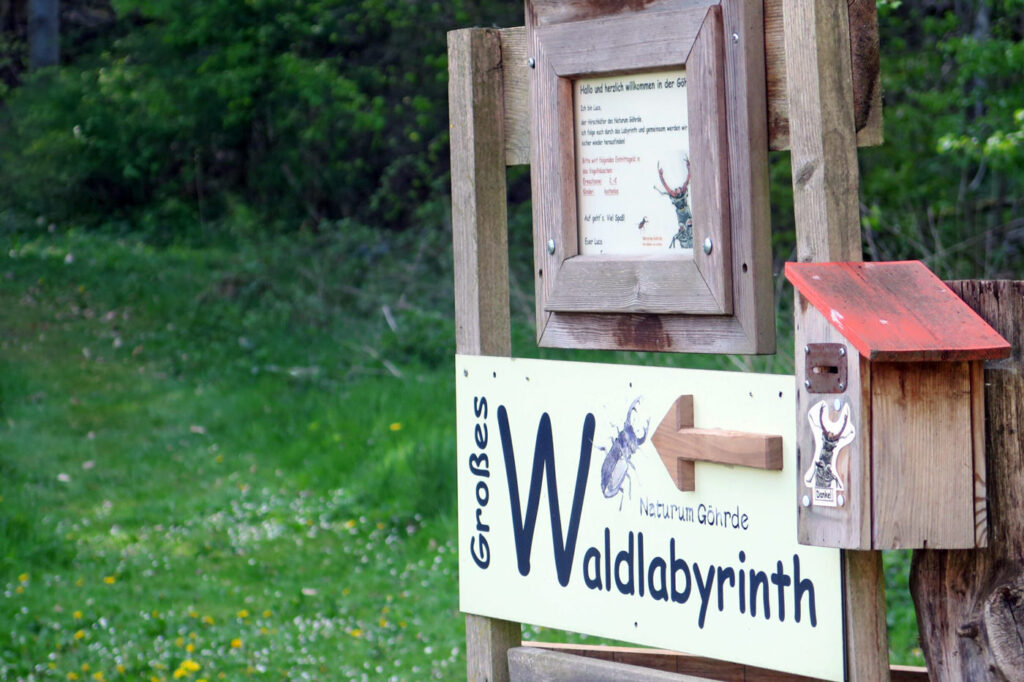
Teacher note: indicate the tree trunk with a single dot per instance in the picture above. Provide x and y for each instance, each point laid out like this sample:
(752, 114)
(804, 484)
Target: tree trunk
(970, 604)
(43, 33)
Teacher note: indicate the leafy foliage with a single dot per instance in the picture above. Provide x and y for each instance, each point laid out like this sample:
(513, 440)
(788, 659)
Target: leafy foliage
(302, 111)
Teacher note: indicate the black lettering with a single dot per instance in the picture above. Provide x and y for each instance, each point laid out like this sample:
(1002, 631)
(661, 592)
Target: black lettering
(743, 584)
(478, 465)
(482, 497)
(677, 565)
(661, 591)
(480, 407)
(782, 581)
(484, 560)
(724, 573)
(592, 558)
(480, 525)
(480, 435)
(759, 578)
(704, 586)
(799, 588)
(625, 557)
(544, 465)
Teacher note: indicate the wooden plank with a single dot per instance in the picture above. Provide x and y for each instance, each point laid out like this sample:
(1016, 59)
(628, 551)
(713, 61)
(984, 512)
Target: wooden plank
(896, 311)
(707, 134)
(702, 667)
(978, 454)
(823, 141)
(479, 219)
(667, 333)
(679, 444)
(922, 464)
(596, 46)
(864, 65)
(867, 641)
(847, 526)
(964, 599)
(753, 297)
(480, 242)
(632, 284)
(535, 664)
(865, 77)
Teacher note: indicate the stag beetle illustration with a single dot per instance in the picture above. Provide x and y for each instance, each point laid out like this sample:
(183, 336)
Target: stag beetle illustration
(617, 460)
(823, 474)
(683, 215)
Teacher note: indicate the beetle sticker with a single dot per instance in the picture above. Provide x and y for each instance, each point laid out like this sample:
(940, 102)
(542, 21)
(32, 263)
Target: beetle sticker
(618, 457)
(830, 436)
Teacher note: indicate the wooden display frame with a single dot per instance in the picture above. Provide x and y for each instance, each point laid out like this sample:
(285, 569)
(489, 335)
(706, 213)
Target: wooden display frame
(715, 301)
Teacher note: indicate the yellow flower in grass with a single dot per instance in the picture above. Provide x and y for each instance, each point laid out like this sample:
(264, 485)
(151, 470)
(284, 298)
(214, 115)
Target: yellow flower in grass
(72, 676)
(23, 578)
(190, 665)
(98, 676)
(77, 615)
(120, 668)
(236, 643)
(208, 620)
(80, 634)
(85, 667)
(268, 613)
(244, 613)
(356, 632)
(110, 579)
(190, 647)
(396, 426)
(192, 613)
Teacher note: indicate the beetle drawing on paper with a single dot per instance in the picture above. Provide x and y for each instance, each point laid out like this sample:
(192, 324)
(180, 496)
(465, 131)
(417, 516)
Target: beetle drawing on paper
(823, 475)
(684, 237)
(617, 459)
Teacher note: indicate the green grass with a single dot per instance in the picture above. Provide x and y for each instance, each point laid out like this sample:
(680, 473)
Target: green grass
(237, 458)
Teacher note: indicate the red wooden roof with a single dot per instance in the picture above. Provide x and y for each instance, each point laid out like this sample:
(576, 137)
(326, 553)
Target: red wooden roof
(896, 311)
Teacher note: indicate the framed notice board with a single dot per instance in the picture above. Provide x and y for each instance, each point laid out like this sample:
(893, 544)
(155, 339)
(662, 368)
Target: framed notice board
(649, 176)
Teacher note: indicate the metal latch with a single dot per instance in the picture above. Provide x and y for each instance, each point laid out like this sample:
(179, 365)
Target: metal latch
(825, 368)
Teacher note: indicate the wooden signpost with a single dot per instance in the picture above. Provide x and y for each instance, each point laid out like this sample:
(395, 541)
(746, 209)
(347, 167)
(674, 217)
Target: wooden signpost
(621, 263)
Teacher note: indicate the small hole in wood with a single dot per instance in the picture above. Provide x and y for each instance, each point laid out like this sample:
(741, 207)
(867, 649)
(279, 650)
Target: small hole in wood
(744, 268)
(824, 369)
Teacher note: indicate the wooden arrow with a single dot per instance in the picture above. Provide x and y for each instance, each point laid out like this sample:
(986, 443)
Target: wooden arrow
(680, 445)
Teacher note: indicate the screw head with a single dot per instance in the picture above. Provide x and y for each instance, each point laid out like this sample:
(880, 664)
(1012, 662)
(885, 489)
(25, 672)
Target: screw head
(842, 352)
(806, 501)
(807, 350)
(708, 245)
(735, 38)
(842, 386)
(551, 246)
(807, 383)
(531, 62)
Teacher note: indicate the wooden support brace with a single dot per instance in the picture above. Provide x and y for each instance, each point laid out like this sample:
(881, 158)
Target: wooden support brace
(679, 445)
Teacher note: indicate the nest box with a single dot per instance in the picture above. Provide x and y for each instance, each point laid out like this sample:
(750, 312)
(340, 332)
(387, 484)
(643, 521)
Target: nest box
(890, 408)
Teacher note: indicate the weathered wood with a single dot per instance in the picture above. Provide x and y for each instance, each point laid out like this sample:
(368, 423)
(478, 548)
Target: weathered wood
(847, 526)
(679, 445)
(632, 284)
(897, 312)
(534, 664)
(671, 661)
(864, 65)
(978, 450)
(479, 219)
(480, 242)
(867, 640)
(823, 141)
(922, 466)
(969, 603)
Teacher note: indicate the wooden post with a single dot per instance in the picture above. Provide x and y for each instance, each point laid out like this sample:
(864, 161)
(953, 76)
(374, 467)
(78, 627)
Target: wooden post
(480, 241)
(823, 142)
(970, 604)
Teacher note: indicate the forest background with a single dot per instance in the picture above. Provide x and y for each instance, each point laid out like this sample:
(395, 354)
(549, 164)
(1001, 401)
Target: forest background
(226, 307)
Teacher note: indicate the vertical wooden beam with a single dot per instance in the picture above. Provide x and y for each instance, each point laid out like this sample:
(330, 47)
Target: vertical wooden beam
(479, 217)
(480, 241)
(970, 604)
(823, 142)
(823, 139)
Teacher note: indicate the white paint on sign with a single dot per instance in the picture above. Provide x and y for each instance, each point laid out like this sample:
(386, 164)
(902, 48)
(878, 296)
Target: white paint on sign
(568, 518)
(632, 164)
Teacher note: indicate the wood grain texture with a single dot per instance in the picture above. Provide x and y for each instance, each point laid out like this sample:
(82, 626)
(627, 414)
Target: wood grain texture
(479, 219)
(867, 640)
(638, 284)
(480, 243)
(968, 602)
(630, 42)
(847, 526)
(709, 189)
(670, 661)
(751, 329)
(897, 311)
(823, 141)
(978, 454)
(488, 641)
(864, 61)
(535, 664)
(922, 466)
(679, 444)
